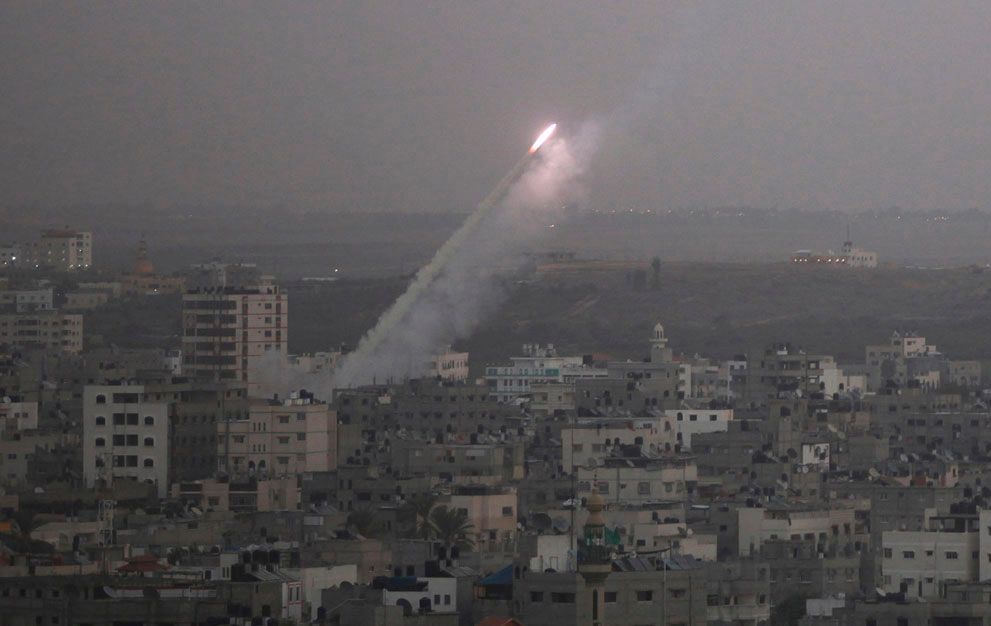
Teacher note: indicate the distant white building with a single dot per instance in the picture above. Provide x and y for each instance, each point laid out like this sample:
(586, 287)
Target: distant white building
(537, 365)
(125, 436)
(449, 365)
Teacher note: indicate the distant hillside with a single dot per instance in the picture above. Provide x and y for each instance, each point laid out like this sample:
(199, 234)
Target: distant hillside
(714, 309)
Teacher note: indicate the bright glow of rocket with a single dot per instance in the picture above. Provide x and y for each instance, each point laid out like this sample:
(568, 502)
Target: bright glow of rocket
(544, 136)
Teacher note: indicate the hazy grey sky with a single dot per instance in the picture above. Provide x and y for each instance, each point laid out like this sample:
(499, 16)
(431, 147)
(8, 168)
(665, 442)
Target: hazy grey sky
(419, 105)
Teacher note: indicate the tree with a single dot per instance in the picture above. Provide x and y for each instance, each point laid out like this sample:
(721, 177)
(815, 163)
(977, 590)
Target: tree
(451, 527)
(789, 611)
(422, 504)
(364, 522)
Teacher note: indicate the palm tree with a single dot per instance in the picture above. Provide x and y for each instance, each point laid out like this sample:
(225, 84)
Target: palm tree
(451, 527)
(364, 522)
(422, 504)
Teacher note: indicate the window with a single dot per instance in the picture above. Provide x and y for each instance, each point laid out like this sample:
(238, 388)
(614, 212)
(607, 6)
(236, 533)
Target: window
(132, 419)
(149, 420)
(118, 440)
(560, 597)
(908, 554)
(283, 419)
(100, 442)
(643, 488)
(132, 440)
(300, 436)
(507, 511)
(610, 596)
(102, 421)
(887, 553)
(678, 593)
(118, 419)
(952, 555)
(149, 442)
(101, 399)
(149, 462)
(645, 595)
(536, 596)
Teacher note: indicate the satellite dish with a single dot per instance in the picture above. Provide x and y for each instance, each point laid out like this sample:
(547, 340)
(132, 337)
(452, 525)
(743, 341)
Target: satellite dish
(541, 521)
(592, 463)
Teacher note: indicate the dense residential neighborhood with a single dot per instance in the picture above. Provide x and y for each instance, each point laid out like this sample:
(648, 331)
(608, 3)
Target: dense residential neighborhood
(171, 485)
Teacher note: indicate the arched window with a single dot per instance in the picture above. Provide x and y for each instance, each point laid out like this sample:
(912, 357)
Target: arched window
(101, 421)
(149, 420)
(149, 442)
(99, 462)
(149, 462)
(100, 442)
(101, 399)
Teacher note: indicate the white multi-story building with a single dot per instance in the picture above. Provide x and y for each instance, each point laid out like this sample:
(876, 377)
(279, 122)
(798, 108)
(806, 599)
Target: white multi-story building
(279, 438)
(229, 330)
(538, 365)
(125, 436)
(949, 548)
(61, 249)
(685, 423)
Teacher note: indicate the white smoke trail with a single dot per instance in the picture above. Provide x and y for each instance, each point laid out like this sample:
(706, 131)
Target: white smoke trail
(451, 295)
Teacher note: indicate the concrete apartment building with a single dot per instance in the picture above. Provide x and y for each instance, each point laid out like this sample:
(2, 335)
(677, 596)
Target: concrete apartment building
(17, 416)
(621, 480)
(738, 593)
(953, 547)
(252, 495)
(48, 330)
(11, 255)
(638, 590)
(26, 300)
(448, 365)
(228, 331)
(538, 365)
(64, 250)
(492, 513)
(279, 438)
(125, 436)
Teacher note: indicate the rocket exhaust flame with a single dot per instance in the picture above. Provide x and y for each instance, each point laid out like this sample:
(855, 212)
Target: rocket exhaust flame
(542, 137)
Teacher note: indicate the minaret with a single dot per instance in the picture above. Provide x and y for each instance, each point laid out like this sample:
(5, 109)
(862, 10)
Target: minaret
(594, 558)
(659, 350)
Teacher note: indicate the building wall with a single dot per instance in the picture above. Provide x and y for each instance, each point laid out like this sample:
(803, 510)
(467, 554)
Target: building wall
(125, 436)
(279, 438)
(18, 416)
(63, 250)
(49, 330)
(228, 331)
